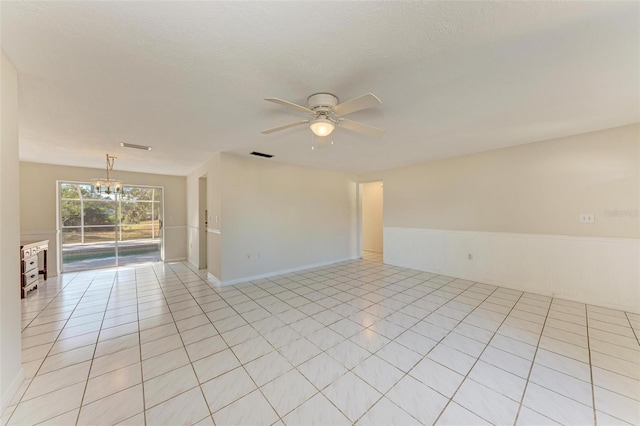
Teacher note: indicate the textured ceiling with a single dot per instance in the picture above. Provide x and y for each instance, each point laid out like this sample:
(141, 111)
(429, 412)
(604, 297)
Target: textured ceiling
(188, 78)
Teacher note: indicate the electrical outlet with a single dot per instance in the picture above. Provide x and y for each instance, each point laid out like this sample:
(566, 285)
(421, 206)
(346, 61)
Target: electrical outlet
(587, 218)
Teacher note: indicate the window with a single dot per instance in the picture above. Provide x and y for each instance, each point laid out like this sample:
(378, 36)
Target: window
(101, 230)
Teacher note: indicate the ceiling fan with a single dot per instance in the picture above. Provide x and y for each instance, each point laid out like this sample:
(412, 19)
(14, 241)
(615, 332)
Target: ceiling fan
(327, 114)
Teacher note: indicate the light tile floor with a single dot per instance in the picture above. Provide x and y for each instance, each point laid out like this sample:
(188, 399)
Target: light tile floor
(355, 342)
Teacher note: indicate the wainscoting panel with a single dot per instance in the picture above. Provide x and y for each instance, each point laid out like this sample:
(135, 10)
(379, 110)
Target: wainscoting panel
(598, 271)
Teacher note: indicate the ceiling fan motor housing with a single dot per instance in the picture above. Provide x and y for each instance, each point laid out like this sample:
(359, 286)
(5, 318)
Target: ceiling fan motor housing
(320, 102)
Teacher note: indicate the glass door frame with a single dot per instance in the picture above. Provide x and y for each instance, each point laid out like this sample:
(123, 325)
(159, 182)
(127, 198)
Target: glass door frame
(117, 226)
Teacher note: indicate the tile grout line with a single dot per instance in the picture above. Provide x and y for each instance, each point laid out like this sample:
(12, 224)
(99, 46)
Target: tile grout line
(371, 354)
(53, 343)
(199, 386)
(45, 306)
(593, 391)
(533, 363)
(296, 368)
(405, 374)
(229, 347)
(440, 287)
(350, 370)
(357, 279)
(144, 402)
(430, 350)
(258, 388)
(302, 337)
(104, 315)
(86, 385)
(633, 330)
(466, 376)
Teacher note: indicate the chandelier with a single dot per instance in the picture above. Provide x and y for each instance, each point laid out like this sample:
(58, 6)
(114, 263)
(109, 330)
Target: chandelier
(107, 185)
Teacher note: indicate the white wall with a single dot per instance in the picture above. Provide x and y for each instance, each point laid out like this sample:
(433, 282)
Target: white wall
(38, 204)
(11, 374)
(596, 270)
(279, 217)
(516, 210)
(372, 216)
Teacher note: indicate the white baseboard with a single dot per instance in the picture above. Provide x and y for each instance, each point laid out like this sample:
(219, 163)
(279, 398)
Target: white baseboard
(285, 271)
(597, 271)
(175, 259)
(13, 389)
(213, 279)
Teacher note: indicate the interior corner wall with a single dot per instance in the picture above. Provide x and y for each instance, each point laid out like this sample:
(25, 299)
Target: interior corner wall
(215, 237)
(279, 217)
(203, 222)
(193, 215)
(11, 374)
(38, 216)
(372, 216)
(212, 170)
(510, 217)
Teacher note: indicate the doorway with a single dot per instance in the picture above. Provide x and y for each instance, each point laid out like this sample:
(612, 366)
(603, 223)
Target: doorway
(203, 222)
(99, 230)
(372, 219)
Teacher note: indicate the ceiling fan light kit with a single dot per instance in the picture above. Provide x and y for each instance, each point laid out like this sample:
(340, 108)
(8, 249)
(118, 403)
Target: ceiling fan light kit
(322, 126)
(327, 114)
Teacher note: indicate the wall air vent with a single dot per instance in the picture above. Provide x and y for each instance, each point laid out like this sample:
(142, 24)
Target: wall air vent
(130, 145)
(261, 154)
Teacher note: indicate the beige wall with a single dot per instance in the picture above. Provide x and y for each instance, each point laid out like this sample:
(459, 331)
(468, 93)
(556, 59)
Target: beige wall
(193, 215)
(215, 184)
(10, 370)
(38, 203)
(211, 169)
(277, 217)
(510, 217)
(267, 217)
(203, 221)
(372, 200)
(539, 188)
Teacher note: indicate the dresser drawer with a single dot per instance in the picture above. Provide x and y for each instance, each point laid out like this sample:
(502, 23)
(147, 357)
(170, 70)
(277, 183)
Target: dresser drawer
(29, 264)
(29, 277)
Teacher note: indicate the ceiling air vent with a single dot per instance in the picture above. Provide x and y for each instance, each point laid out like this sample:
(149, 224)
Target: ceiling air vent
(261, 154)
(130, 145)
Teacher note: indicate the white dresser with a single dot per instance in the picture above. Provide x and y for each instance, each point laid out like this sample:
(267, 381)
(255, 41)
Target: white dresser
(29, 264)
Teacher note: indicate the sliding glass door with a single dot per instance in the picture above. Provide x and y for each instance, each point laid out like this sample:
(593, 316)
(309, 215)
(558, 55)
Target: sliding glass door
(88, 227)
(100, 230)
(140, 227)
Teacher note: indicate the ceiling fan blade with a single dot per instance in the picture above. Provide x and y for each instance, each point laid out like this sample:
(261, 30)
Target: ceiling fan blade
(290, 105)
(286, 126)
(362, 102)
(356, 126)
